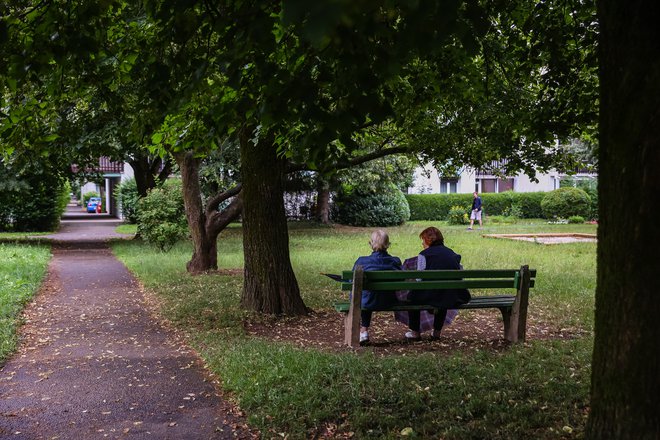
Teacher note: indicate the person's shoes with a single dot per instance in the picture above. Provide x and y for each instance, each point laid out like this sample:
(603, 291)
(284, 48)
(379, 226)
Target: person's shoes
(412, 336)
(435, 335)
(469, 229)
(364, 338)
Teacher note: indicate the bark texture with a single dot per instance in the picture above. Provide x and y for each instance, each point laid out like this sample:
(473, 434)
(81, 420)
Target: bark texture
(322, 213)
(625, 393)
(205, 224)
(270, 285)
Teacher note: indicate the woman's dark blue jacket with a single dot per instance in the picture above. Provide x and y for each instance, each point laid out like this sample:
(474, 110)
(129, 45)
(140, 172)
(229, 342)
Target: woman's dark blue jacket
(380, 260)
(440, 257)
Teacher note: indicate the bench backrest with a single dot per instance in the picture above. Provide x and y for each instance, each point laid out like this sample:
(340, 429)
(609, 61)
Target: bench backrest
(438, 279)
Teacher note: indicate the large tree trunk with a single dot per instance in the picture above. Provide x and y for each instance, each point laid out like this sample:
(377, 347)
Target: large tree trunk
(625, 391)
(270, 285)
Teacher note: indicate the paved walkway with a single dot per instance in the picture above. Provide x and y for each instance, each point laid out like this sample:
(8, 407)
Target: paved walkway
(94, 363)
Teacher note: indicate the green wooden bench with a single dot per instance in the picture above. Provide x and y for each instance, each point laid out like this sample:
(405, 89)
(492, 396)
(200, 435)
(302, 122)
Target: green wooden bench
(513, 307)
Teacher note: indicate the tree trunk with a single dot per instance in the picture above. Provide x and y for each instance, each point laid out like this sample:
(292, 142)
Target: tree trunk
(322, 200)
(205, 253)
(625, 390)
(144, 179)
(270, 285)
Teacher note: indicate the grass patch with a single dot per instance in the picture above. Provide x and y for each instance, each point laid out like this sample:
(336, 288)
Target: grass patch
(539, 390)
(22, 269)
(126, 229)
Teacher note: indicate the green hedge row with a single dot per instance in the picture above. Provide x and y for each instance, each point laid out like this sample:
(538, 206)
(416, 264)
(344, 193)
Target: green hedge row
(437, 206)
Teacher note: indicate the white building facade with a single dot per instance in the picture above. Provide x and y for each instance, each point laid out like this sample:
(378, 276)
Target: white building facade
(428, 181)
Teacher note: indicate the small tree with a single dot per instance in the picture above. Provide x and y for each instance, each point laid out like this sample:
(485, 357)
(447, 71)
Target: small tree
(161, 216)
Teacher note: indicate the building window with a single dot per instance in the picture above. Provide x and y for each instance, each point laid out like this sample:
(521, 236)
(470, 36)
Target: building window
(448, 185)
(493, 185)
(488, 185)
(504, 185)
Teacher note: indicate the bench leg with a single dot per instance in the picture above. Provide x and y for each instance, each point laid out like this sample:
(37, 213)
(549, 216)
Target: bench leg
(506, 318)
(352, 319)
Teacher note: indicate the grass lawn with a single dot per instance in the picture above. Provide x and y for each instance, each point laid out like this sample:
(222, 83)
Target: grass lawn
(126, 229)
(536, 390)
(22, 268)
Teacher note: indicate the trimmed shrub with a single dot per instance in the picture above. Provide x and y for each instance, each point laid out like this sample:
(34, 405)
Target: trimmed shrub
(458, 215)
(386, 208)
(161, 216)
(566, 202)
(576, 219)
(437, 206)
(127, 198)
(31, 202)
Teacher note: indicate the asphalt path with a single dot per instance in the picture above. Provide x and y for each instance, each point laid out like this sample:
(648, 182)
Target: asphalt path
(96, 363)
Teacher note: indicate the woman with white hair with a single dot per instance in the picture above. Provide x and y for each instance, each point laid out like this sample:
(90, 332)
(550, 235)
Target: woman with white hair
(376, 300)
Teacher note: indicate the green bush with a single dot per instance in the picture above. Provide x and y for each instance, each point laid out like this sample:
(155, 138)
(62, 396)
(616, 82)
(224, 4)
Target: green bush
(388, 207)
(437, 206)
(576, 219)
(161, 216)
(458, 215)
(590, 186)
(127, 198)
(566, 202)
(31, 202)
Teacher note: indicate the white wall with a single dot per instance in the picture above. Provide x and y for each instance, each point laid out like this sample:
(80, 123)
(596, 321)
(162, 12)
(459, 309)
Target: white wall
(427, 181)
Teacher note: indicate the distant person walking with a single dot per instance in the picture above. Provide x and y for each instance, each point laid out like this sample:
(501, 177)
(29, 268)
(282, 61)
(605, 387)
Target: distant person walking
(476, 211)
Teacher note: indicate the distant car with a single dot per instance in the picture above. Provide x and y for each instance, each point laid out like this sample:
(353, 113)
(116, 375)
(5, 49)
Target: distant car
(93, 203)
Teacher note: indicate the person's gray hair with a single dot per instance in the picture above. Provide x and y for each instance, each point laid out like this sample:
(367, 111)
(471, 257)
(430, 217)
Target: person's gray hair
(380, 241)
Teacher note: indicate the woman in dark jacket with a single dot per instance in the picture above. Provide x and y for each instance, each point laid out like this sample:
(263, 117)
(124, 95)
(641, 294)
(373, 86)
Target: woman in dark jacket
(378, 260)
(435, 256)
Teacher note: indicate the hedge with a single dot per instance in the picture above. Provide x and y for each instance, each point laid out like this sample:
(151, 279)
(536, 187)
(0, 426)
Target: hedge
(437, 206)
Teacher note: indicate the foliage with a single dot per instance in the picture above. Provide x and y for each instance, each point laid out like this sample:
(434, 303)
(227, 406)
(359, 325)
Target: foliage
(161, 216)
(22, 270)
(590, 186)
(388, 207)
(566, 202)
(458, 215)
(396, 170)
(128, 198)
(31, 200)
(514, 211)
(576, 219)
(539, 390)
(437, 206)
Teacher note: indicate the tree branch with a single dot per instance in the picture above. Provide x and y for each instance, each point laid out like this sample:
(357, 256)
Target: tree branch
(212, 205)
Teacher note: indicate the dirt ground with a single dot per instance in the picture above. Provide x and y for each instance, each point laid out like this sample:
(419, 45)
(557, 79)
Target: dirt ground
(471, 330)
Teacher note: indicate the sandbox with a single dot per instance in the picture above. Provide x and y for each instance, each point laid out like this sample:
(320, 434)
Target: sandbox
(548, 238)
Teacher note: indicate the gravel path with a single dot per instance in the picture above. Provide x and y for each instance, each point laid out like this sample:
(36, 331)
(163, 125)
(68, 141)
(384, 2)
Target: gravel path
(95, 363)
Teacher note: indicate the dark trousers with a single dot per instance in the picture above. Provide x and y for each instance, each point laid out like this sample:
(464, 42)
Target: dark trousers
(438, 319)
(365, 318)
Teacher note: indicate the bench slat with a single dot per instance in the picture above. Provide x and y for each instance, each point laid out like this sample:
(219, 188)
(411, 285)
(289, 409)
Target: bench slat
(449, 284)
(393, 275)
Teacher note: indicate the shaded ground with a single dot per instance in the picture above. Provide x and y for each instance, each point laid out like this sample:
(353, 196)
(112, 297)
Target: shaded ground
(95, 363)
(471, 330)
